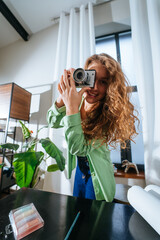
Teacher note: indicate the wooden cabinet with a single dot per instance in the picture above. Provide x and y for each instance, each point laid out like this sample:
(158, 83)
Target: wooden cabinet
(14, 104)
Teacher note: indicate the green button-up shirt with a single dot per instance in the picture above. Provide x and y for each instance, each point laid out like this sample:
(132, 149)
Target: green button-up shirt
(98, 155)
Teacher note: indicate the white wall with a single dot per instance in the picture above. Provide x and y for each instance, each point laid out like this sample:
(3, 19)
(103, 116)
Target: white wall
(31, 65)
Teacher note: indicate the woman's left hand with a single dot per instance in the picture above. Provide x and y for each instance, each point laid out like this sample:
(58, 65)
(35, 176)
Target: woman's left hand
(69, 94)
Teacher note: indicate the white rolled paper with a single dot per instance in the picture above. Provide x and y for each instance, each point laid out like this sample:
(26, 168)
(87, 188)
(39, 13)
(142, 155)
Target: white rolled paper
(154, 188)
(147, 204)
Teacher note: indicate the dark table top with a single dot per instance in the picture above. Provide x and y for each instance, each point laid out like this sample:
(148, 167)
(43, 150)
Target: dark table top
(98, 220)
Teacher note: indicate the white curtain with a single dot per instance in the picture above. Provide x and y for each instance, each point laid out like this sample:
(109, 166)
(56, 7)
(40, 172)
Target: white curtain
(76, 39)
(76, 42)
(145, 24)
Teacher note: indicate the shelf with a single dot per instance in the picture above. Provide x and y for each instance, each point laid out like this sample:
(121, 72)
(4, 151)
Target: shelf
(15, 105)
(8, 179)
(133, 174)
(9, 132)
(7, 152)
(14, 101)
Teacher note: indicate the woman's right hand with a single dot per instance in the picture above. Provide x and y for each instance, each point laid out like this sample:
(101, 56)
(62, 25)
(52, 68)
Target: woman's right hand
(69, 94)
(59, 102)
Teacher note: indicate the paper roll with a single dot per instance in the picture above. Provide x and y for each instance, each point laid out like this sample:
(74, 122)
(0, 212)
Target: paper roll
(153, 187)
(146, 204)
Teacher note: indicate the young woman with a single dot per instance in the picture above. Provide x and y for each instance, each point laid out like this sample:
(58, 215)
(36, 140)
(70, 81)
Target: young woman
(93, 119)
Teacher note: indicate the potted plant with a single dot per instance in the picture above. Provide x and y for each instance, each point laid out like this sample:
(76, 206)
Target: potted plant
(26, 163)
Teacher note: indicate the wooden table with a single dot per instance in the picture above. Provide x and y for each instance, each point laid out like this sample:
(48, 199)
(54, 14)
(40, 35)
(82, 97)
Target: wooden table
(98, 220)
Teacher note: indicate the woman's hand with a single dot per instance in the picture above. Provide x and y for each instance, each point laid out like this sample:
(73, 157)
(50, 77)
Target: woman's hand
(59, 102)
(69, 94)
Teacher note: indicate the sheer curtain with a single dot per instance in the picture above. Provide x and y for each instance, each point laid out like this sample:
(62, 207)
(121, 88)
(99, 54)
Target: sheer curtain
(76, 42)
(145, 23)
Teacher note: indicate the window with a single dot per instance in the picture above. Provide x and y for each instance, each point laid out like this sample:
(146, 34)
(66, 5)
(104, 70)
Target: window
(119, 46)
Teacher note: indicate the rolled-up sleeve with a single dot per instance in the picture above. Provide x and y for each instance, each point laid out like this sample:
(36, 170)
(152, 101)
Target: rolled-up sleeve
(55, 116)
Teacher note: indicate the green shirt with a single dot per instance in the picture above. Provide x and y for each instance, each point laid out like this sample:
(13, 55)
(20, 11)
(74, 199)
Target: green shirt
(98, 155)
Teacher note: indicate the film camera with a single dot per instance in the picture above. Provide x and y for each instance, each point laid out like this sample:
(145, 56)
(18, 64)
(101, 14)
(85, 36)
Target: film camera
(84, 78)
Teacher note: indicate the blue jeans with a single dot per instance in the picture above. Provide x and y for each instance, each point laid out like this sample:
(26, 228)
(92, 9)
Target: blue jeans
(83, 186)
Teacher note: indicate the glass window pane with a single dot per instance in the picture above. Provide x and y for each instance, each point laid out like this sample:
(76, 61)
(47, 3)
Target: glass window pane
(126, 53)
(106, 45)
(116, 155)
(137, 148)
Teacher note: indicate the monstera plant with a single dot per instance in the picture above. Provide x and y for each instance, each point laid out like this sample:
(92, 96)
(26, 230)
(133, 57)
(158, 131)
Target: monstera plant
(26, 163)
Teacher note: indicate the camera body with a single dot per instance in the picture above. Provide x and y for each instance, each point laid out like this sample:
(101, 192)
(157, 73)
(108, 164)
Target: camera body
(84, 78)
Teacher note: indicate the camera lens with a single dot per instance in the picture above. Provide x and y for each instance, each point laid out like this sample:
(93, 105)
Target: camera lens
(80, 75)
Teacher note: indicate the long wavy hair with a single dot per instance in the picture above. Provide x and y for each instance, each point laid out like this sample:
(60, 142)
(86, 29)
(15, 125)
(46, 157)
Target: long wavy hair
(113, 119)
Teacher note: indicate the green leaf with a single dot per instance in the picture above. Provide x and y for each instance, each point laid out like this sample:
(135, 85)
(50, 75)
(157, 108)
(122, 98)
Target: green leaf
(32, 145)
(29, 146)
(9, 146)
(46, 126)
(54, 152)
(34, 180)
(25, 130)
(53, 168)
(1, 165)
(25, 165)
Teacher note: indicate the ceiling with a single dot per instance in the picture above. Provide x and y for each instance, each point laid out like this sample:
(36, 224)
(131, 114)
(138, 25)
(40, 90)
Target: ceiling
(35, 15)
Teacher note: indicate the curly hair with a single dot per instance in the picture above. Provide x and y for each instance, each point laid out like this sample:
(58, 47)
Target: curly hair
(113, 119)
